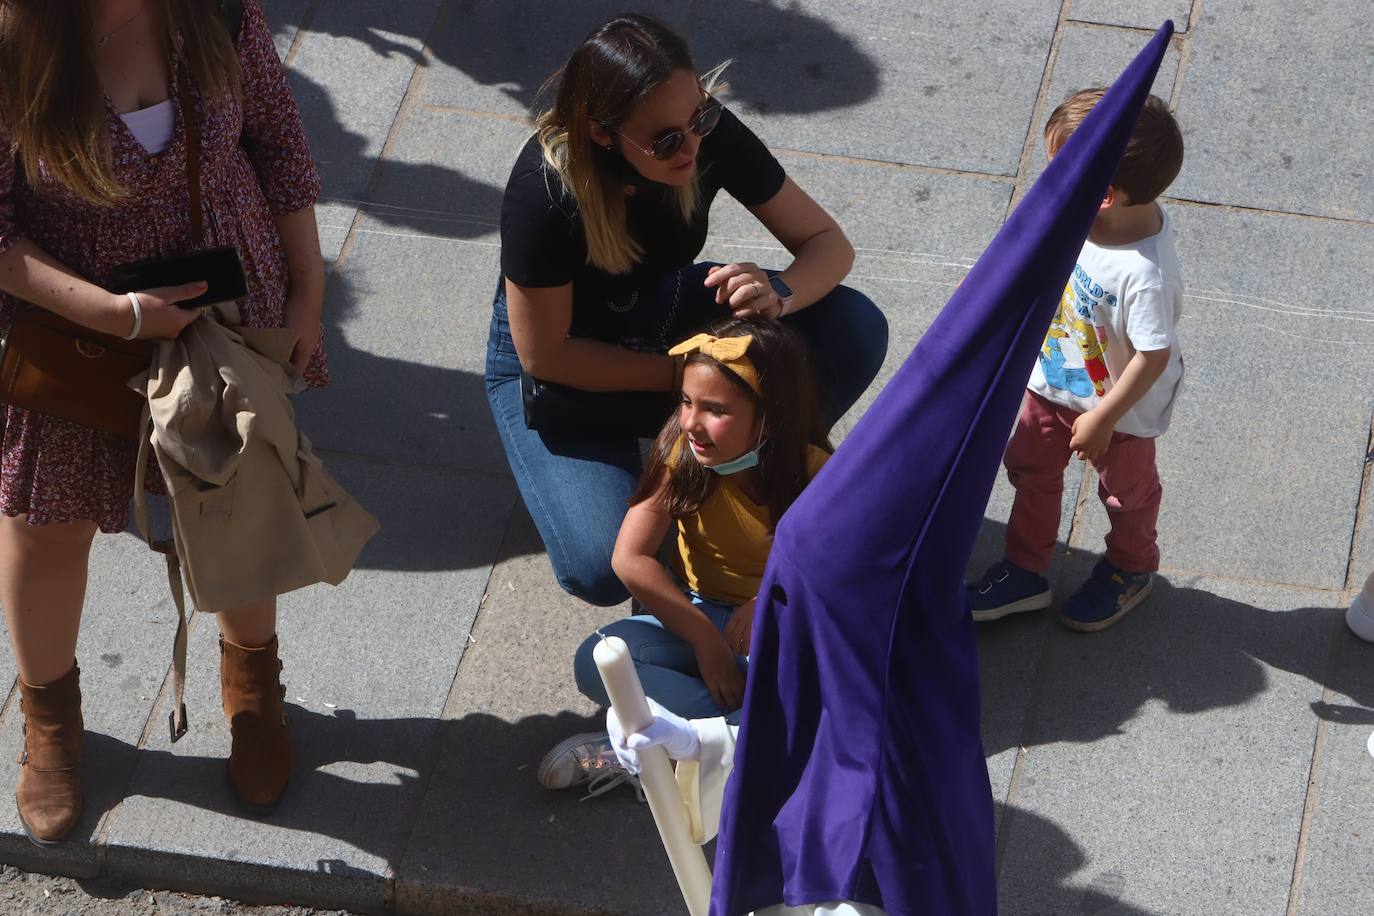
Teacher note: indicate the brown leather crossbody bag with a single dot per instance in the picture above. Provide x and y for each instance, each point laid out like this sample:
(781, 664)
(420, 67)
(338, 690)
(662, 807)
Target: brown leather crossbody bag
(53, 366)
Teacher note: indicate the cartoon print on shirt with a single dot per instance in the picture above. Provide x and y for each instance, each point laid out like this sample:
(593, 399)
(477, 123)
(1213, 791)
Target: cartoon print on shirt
(1072, 358)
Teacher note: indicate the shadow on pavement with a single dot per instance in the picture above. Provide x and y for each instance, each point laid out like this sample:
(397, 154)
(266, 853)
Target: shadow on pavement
(488, 826)
(423, 421)
(1053, 892)
(347, 165)
(1187, 648)
(787, 61)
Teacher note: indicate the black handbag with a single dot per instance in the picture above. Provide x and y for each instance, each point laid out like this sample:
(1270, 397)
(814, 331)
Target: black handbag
(554, 408)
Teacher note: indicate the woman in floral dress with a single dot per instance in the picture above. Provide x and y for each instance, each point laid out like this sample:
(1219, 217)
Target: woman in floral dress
(95, 177)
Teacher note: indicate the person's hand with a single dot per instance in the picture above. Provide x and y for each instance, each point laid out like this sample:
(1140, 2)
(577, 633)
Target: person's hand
(745, 288)
(667, 730)
(716, 661)
(163, 319)
(303, 319)
(739, 629)
(1092, 433)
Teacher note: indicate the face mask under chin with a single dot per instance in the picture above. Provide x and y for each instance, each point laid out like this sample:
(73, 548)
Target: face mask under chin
(749, 459)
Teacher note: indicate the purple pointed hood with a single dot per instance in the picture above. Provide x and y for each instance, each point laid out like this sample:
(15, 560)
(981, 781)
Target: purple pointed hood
(859, 773)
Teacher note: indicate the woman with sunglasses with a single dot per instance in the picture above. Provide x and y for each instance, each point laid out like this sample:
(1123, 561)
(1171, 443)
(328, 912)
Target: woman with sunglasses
(604, 215)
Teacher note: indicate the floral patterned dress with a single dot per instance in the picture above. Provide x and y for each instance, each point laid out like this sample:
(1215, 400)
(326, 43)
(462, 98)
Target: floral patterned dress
(255, 165)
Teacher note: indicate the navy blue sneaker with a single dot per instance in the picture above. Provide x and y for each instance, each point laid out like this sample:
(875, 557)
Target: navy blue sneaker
(1007, 589)
(1107, 596)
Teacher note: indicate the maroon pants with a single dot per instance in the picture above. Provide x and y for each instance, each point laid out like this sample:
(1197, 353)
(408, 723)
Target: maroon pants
(1128, 485)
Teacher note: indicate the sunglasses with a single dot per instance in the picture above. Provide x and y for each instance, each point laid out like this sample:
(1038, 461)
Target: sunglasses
(666, 145)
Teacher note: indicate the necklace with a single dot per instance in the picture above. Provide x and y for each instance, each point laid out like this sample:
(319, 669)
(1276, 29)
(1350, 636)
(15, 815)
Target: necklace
(102, 37)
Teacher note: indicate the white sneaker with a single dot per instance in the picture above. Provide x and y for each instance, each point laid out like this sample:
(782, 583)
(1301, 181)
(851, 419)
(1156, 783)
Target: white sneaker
(585, 759)
(1360, 618)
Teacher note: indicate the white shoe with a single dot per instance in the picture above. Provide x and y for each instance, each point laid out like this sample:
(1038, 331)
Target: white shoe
(1360, 618)
(586, 760)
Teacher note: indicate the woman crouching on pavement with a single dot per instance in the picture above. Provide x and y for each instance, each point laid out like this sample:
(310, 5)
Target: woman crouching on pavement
(604, 215)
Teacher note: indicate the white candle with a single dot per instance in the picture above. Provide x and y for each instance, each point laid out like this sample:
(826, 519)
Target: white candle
(617, 669)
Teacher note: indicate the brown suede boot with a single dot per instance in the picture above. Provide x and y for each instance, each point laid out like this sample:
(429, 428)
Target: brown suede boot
(260, 756)
(49, 790)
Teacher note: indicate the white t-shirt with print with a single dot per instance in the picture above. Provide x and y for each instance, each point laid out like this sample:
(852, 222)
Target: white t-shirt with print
(1120, 299)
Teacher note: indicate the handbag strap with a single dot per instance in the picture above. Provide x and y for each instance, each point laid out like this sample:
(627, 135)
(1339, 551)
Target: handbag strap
(672, 311)
(176, 719)
(191, 124)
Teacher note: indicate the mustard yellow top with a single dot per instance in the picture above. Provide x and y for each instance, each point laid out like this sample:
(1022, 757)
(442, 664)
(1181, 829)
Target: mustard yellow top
(723, 547)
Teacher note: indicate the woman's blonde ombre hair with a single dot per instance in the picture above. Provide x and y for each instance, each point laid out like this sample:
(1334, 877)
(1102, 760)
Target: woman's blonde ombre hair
(51, 101)
(614, 69)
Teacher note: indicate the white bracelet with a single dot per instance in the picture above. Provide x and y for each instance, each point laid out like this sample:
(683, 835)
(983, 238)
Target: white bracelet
(138, 315)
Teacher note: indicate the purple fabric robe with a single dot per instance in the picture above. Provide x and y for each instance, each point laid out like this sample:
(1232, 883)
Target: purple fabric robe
(859, 773)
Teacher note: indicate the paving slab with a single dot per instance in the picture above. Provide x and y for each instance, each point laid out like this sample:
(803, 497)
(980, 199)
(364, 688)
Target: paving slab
(488, 834)
(1254, 440)
(333, 221)
(1362, 557)
(367, 667)
(493, 55)
(1063, 858)
(124, 651)
(944, 83)
(1255, 111)
(1010, 650)
(915, 235)
(446, 174)
(349, 77)
(1009, 654)
(1338, 837)
(1139, 14)
(1174, 748)
(428, 249)
(407, 326)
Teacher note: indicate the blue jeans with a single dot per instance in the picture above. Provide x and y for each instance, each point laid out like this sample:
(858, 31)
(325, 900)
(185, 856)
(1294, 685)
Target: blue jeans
(577, 487)
(667, 663)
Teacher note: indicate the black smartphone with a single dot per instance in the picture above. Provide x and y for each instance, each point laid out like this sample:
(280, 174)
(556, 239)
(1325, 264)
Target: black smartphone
(221, 268)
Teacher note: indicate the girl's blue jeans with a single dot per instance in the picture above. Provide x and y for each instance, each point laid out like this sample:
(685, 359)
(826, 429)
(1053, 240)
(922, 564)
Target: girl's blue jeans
(667, 663)
(577, 487)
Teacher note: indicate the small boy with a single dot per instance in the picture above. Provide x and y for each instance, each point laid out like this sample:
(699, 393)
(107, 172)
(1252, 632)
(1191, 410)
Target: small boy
(1103, 388)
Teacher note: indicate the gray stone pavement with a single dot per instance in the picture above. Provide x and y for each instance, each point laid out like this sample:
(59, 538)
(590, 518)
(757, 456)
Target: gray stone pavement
(1206, 756)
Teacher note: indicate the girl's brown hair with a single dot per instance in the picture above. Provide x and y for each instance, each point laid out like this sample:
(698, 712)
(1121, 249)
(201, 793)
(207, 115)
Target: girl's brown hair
(614, 69)
(791, 415)
(51, 101)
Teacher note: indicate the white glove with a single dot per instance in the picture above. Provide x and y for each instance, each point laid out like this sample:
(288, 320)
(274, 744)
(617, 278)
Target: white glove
(667, 730)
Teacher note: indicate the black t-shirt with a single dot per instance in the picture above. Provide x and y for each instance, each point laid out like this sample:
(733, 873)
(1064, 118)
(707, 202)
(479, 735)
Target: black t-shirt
(543, 243)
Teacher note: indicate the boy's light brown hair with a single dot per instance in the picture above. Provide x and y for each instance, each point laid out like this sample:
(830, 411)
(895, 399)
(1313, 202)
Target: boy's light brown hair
(1153, 156)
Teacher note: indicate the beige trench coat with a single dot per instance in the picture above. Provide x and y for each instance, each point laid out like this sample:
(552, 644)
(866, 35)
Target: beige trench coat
(254, 512)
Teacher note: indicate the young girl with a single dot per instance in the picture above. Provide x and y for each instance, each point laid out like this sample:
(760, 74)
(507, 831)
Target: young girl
(745, 440)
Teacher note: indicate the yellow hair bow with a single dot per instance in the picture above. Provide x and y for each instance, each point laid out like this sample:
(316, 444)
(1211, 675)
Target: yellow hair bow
(729, 350)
